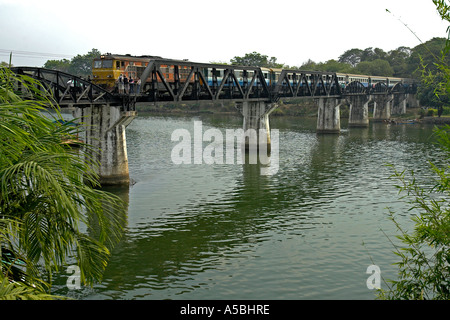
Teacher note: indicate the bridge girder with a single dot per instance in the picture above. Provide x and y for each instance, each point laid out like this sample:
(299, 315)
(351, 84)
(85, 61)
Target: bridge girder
(166, 80)
(190, 81)
(69, 90)
(298, 83)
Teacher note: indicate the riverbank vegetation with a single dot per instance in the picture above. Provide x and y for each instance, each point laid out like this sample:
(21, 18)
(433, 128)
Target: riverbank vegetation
(424, 252)
(51, 213)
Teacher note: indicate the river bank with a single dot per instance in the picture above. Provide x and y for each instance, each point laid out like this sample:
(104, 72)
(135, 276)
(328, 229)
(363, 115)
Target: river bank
(291, 108)
(294, 107)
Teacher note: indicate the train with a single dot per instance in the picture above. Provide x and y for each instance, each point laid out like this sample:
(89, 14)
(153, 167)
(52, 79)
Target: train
(107, 68)
(272, 76)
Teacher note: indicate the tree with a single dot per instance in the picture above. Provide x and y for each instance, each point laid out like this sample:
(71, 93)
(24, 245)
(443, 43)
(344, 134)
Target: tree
(371, 54)
(334, 66)
(427, 54)
(256, 59)
(431, 91)
(398, 59)
(376, 67)
(81, 65)
(60, 65)
(352, 57)
(309, 65)
(48, 190)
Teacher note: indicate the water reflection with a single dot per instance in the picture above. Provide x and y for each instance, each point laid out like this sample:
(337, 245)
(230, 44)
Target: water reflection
(227, 231)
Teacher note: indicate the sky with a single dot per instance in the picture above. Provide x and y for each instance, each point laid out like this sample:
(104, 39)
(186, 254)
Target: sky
(206, 31)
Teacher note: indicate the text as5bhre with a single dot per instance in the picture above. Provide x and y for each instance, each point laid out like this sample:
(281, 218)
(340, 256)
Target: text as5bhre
(234, 309)
(246, 309)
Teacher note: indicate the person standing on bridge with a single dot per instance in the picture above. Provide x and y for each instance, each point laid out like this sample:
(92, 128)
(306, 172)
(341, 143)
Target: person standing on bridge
(120, 84)
(126, 84)
(138, 85)
(131, 82)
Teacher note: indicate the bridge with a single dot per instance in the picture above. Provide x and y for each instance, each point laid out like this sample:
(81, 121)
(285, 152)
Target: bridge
(105, 114)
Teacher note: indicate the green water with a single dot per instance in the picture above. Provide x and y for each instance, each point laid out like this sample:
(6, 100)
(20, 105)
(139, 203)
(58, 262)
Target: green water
(309, 231)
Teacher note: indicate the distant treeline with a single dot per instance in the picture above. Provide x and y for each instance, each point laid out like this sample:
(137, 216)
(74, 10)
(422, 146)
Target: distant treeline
(402, 62)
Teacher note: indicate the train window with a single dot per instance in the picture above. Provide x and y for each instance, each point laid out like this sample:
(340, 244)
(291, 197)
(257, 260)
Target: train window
(97, 64)
(117, 64)
(107, 63)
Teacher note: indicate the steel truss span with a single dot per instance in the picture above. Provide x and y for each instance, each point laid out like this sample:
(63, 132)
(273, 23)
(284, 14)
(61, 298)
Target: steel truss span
(171, 80)
(167, 80)
(69, 90)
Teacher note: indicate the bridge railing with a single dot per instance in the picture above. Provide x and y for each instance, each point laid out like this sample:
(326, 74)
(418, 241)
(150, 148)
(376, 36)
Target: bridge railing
(406, 86)
(298, 83)
(67, 89)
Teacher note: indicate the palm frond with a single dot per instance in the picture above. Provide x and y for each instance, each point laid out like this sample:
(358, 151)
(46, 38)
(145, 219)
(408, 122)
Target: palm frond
(46, 192)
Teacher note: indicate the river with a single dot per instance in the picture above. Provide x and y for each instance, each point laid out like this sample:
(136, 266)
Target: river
(225, 231)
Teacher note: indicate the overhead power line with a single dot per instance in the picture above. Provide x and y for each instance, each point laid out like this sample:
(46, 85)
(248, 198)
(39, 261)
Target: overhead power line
(32, 54)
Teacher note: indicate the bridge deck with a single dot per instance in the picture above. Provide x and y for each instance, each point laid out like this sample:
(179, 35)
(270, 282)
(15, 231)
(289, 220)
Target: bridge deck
(237, 83)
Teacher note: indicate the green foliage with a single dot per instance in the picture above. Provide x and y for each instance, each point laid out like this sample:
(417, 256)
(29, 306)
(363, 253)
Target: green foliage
(256, 59)
(401, 62)
(433, 88)
(351, 57)
(18, 290)
(431, 112)
(424, 266)
(398, 60)
(427, 54)
(334, 66)
(80, 65)
(60, 65)
(446, 111)
(434, 59)
(375, 61)
(423, 269)
(329, 66)
(46, 195)
(376, 67)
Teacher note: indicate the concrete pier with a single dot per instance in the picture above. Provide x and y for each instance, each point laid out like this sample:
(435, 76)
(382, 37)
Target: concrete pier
(399, 103)
(328, 116)
(382, 107)
(359, 110)
(256, 117)
(104, 129)
(412, 101)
